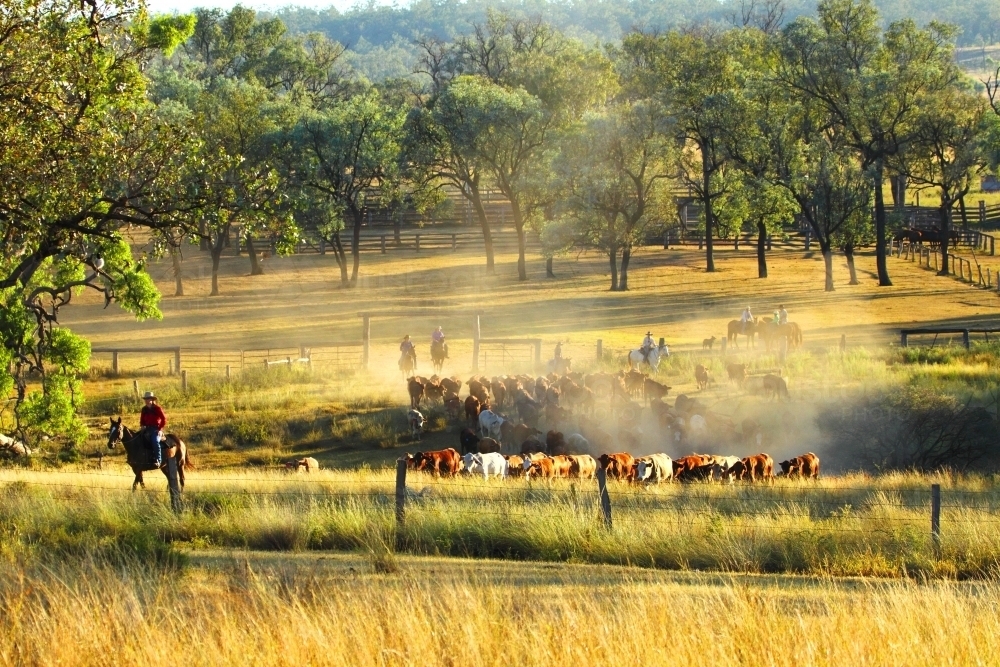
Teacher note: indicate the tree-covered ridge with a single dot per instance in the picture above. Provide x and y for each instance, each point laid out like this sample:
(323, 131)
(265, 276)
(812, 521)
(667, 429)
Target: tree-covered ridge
(366, 26)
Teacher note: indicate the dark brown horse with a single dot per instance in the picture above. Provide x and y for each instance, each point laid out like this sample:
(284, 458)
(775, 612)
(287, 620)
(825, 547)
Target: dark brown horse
(140, 458)
(439, 352)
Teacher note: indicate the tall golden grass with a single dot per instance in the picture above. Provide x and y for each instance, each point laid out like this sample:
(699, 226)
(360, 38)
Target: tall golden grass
(249, 610)
(851, 525)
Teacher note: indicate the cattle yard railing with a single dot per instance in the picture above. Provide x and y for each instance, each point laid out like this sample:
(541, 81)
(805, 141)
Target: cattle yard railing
(344, 355)
(959, 266)
(905, 334)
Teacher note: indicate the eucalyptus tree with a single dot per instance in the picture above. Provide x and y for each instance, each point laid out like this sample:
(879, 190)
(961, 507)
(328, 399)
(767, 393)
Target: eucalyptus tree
(691, 75)
(869, 83)
(947, 152)
(83, 157)
(614, 176)
(348, 152)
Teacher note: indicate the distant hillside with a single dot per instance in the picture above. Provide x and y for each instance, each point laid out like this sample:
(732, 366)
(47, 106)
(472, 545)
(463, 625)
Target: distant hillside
(365, 27)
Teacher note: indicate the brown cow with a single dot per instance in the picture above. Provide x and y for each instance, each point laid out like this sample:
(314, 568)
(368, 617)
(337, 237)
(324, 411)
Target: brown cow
(452, 385)
(756, 467)
(416, 390)
(480, 390)
(433, 390)
(453, 405)
(685, 466)
(542, 467)
(806, 465)
(515, 465)
(562, 465)
(472, 408)
(775, 386)
(583, 466)
(499, 390)
(652, 389)
(487, 445)
(441, 462)
(532, 445)
(617, 466)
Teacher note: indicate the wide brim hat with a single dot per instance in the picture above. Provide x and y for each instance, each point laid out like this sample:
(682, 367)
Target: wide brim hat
(149, 395)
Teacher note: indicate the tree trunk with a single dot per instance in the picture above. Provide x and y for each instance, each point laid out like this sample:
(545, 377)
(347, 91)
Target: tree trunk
(849, 254)
(548, 268)
(963, 212)
(945, 214)
(623, 276)
(175, 257)
(203, 236)
(338, 253)
(826, 248)
(476, 198)
(255, 268)
(613, 257)
(217, 247)
(761, 249)
(880, 246)
(359, 217)
(515, 209)
(706, 177)
(898, 185)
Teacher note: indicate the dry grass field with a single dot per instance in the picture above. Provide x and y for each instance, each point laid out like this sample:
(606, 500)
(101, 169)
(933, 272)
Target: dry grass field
(247, 608)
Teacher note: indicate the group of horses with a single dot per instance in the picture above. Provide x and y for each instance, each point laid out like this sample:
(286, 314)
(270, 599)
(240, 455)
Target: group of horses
(408, 361)
(932, 236)
(769, 331)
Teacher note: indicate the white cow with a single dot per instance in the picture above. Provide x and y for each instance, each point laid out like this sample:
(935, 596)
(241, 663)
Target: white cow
(489, 424)
(416, 421)
(654, 469)
(485, 464)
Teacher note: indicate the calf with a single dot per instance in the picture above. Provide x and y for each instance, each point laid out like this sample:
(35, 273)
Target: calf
(701, 376)
(433, 390)
(555, 443)
(542, 467)
(775, 386)
(452, 385)
(416, 421)
(416, 390)
(489, 424)
(515, 465)
(737, 373)
(499, 391)
(522, 432)
(806, 465)
(617, 466)
(468, 441)
(453, 405)
(532, 445)
(486, 464)
(685, 465)
(756, 467)
(308, 464)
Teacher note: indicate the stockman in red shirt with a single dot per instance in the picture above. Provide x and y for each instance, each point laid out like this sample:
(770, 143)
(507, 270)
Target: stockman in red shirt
(152, 421)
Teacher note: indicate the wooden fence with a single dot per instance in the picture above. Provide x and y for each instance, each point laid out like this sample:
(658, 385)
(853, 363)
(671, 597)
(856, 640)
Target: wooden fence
(346, 355)
(905, 334)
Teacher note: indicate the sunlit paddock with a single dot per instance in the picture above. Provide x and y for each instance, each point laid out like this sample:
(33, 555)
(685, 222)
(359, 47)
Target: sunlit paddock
(850, 525)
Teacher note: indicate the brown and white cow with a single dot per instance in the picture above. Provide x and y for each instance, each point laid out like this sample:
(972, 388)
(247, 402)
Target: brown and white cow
(617, 466)
(440, 462)
(806, 466)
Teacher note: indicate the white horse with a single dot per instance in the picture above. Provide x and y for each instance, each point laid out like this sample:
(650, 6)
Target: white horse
(636, 358)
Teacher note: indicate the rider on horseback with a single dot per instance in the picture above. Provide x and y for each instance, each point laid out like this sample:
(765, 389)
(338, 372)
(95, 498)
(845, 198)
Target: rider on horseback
(782, 315)
(407, 349)
(747, 316)
(152, 421)
(557, 354)
(647, 345)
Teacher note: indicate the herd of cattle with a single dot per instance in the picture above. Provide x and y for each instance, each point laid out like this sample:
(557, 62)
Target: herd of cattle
(493, 444)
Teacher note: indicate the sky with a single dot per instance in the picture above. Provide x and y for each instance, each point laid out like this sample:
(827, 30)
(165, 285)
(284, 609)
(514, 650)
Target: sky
(182, 6)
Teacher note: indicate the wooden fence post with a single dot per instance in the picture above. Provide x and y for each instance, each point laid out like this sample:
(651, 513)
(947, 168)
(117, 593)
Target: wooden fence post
(982, 212)
(135, 388)
(936, 518)
(843, 343)
(400, 501)
(454, 242)
(418, 242)
(114, 362)
(173, 484)
(366, 339)
(383, 244)
(600, 349)
(666, 239)
(475, 344)
(177, 360)
(184, 380)
(965, 339)
(902, 339)
(229, 375)
(602, 489)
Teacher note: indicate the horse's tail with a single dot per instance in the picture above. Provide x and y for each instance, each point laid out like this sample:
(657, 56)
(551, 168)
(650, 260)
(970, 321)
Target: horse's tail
(187, 462)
